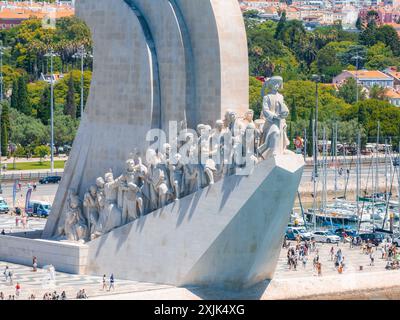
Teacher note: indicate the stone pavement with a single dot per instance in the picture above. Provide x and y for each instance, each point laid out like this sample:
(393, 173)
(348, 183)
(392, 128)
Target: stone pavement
(287, 284)
(353, 259)
(35, 283)
(7, 222)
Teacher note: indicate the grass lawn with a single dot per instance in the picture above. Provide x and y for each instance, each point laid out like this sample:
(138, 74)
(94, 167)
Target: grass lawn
(35, 165)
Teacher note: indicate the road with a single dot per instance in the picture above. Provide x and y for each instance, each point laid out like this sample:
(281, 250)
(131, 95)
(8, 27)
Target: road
(45, 192)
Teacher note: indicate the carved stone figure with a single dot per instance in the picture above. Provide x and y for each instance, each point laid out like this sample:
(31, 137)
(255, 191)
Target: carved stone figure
(91, 208)
(110, 217)
(217, 148)
(74, 228)
(207, 164)
(132, 201)
(247, 119)
(176, 169)
(275, 111)
(156, 186)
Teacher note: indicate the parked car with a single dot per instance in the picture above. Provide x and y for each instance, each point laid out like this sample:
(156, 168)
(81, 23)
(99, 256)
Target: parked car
(325, 236)
(375, 238)
(293, 232)
(345, 231)
(4, 208)
(38, 208)
(47, 180)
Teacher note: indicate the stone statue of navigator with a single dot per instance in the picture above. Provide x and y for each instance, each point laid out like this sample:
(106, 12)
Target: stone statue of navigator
(275, 111)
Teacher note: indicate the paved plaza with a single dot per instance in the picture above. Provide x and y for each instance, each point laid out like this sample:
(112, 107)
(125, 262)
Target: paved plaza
(292, 282)
(8, 224)
(36, 283)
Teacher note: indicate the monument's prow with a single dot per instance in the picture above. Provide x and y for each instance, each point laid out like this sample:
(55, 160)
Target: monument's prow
(227, 235)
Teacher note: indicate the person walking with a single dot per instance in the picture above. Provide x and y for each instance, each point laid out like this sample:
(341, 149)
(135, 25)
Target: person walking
(10, 275)
(332, 252)
(304, 261)
(34, 264)
(104, 282)
(63, 296)
(372, 258)
(6, 270)
(383, 252)
(319, 268)
(112, 280)
(17, 289)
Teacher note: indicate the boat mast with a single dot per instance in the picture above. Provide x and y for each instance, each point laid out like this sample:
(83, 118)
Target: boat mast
(358, 173)
(324, 159)
(377, 159)
(336, 157)
(386, 172)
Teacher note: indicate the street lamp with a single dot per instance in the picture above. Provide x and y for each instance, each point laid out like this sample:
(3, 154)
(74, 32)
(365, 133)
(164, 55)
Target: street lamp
(52, 54)
(82, 54)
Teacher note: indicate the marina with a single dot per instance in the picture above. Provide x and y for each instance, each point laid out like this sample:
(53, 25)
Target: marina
(374, 204)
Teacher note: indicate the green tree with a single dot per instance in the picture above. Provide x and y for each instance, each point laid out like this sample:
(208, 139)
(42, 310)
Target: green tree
(250, 14)
(380, 56)
(255, 96)
(348, 91)
(5, 128)
(368, 35)
(377, 92)
(389, 36)
(43, 111)
(27, 131)
(280, 26)
(70, 105)
(65, 129)
(14, 96)
(23, 100)
(293, 111)
(41, 152)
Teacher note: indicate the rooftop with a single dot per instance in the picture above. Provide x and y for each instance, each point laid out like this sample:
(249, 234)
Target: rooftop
(392, 94)
(369, 74)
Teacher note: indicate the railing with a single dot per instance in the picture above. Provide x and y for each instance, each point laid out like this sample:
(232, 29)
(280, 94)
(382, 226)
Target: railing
(26, 176)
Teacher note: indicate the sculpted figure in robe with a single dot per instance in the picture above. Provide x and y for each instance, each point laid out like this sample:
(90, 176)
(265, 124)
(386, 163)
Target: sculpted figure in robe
(156, 187)
(217, 150)
(91, 209)
(110, 216)
(275, 112)
(74, 228)
(132, 201)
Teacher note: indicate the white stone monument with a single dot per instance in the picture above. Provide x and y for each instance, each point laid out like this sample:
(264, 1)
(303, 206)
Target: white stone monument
(156, 220)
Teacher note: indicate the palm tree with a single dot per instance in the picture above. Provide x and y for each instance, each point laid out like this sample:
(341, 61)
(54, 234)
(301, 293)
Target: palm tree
(377, 92)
